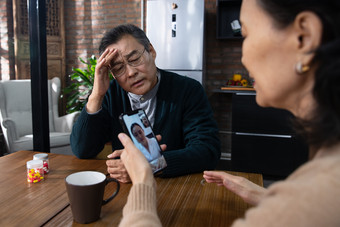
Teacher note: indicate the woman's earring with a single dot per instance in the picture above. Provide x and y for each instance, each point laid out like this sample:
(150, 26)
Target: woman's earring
(300, 68)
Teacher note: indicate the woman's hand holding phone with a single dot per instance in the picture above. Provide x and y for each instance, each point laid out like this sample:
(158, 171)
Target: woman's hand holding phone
(135, 163)
(118, 169)
(136, 125)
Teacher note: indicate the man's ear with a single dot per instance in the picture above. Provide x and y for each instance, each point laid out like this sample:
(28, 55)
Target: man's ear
(308, 28)
(153, 52)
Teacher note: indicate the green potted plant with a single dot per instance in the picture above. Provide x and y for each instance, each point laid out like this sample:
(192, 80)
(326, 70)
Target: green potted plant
(81, 84)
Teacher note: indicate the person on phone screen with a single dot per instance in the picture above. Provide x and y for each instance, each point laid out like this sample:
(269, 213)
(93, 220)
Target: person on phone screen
(145, 122)
(147, 128)
(176, 106)
(296, 68)
(148, 146)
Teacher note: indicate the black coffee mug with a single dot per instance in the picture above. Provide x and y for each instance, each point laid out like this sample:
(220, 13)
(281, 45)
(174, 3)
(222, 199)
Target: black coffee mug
(85, 191)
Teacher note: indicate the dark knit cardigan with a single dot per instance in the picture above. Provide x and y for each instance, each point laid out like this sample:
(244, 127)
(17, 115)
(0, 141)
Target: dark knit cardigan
(183, 117)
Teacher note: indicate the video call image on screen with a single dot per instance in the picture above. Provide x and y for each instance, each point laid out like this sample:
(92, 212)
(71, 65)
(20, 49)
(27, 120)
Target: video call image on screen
(141, 133)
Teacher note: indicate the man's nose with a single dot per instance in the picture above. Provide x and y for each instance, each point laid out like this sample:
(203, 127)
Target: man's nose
(130, 71)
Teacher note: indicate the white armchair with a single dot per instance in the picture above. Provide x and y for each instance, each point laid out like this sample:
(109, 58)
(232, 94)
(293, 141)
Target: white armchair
(16, 117)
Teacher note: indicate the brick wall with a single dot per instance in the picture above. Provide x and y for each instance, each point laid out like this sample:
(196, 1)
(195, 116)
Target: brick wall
(6, 42)
(223, 59)
(87, 20)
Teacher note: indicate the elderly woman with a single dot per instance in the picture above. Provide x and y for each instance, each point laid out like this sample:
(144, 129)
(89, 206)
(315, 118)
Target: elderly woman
(291, 49)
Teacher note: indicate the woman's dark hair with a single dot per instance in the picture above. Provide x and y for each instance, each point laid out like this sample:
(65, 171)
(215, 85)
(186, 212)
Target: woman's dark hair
(322, 128)
(115, 34)
(133, 125)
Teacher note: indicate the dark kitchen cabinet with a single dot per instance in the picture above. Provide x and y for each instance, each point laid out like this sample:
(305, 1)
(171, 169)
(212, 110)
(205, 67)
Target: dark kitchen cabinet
(226, 12)
(263, 140)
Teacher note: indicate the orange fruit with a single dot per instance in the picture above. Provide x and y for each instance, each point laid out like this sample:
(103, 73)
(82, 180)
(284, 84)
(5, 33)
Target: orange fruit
(237, 77)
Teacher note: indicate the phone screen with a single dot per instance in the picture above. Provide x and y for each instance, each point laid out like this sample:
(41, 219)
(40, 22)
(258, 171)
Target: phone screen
(138, 127)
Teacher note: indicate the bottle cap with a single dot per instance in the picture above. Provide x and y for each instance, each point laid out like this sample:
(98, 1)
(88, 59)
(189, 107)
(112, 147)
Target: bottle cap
(34, 164)
(40, 156)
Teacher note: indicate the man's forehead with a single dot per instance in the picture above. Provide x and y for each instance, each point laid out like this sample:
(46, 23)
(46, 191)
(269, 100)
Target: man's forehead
(127, 45)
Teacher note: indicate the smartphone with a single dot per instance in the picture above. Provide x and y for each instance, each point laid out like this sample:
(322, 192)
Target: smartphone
(137, 125)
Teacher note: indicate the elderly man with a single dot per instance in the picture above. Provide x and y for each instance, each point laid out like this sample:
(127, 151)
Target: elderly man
(177, 107)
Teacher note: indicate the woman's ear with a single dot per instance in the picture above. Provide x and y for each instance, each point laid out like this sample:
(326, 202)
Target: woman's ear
(308, 29)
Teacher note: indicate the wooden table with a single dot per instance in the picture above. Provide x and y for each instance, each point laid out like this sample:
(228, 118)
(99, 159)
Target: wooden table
(182, 201)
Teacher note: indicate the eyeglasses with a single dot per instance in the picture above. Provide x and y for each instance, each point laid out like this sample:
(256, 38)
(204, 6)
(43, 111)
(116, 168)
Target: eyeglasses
(118, 68)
